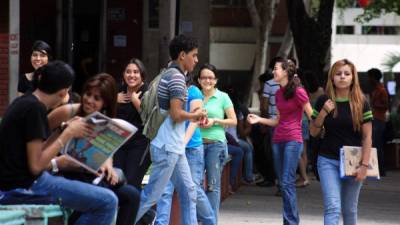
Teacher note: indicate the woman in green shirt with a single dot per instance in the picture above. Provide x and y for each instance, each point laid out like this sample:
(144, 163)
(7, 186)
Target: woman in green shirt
(220, 114)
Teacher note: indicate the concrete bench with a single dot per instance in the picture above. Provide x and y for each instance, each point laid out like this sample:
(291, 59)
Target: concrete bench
(40, 214)
(12, 217)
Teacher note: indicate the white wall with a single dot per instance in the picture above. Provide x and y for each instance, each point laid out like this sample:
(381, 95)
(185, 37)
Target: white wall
(232, 56)
(233, 48)
(364, 56)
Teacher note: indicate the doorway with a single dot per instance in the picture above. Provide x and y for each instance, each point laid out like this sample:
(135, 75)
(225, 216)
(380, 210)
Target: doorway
(81, 36)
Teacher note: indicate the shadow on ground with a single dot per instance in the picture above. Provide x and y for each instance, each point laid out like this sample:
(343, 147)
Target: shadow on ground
(379, 204)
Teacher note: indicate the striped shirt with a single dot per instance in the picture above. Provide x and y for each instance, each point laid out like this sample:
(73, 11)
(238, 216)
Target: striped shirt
(170, 134)
(270, 89)
(172, 85)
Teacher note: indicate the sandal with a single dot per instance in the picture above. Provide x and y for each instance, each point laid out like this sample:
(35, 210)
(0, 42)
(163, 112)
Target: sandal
(301, 184)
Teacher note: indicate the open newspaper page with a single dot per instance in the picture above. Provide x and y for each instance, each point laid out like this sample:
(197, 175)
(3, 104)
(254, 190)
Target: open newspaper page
(109, 135)
(350, 159)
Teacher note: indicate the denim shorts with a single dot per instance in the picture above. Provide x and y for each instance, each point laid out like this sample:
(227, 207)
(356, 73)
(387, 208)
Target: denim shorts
(305, 130)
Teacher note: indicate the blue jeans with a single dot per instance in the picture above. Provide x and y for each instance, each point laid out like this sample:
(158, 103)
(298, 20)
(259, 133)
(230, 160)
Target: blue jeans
(214, 158)
(168, 166)
(98, 205)
(248, 159)
(340, 195)
(286, 159)
(205, 213)
(236, 153)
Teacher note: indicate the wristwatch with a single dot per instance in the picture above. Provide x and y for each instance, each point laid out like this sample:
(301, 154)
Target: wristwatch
(63, 126)
(54, 167)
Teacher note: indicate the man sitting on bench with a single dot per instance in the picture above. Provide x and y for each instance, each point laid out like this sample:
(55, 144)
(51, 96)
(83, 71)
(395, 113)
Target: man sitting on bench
(25, 158)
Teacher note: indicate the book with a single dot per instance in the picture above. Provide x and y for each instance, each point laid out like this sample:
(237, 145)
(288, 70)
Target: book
(350, 161)
(108, 136)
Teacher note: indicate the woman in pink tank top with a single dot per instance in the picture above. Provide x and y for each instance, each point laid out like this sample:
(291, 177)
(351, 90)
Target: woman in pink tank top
(291, 101)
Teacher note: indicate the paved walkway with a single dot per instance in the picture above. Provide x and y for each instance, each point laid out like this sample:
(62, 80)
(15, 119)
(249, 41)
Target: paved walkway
(251, 205)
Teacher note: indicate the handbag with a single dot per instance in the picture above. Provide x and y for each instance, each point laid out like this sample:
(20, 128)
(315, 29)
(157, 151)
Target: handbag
(89, 178)
(121, 180)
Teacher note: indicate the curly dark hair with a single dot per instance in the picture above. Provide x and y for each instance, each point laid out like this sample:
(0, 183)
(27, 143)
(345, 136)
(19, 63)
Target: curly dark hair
(182, 43)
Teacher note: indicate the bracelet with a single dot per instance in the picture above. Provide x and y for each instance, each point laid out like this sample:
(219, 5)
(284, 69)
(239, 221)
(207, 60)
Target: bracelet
(315, 125)
(60, 142)
(54, 167)
(215, 122)
(364, 165)
(63, 126)
(325, 110)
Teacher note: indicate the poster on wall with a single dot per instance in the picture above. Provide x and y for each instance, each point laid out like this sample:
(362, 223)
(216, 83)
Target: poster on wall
(119, 41)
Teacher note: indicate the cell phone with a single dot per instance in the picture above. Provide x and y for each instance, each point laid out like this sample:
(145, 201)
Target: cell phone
(95, 121)
(98, 179)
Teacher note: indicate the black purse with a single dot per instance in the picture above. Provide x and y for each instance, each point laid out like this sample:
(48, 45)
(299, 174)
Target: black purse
(121, 180)
(89, 178)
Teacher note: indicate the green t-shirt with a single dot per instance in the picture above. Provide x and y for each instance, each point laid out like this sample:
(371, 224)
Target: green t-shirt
(216, 106)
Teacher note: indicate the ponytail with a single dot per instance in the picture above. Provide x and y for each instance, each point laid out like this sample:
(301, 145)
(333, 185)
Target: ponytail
(293, 79)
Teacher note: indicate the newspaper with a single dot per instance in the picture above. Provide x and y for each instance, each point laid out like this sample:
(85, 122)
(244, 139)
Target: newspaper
(109, 135)
(350, 161)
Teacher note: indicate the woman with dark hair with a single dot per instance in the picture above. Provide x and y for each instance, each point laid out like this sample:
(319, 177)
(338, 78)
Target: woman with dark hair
(220, 114)
(132, 158)
(346, 117)
(99, 94)
(103, 85)
(291, 102)
(41, 54)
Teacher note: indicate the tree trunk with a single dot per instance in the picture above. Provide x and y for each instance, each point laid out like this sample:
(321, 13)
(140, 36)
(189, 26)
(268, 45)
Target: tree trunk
(287, 43)
(312, 38)
(262, 15)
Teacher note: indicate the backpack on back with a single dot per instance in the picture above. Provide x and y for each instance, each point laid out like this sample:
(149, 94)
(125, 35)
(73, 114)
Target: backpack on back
(150, 113)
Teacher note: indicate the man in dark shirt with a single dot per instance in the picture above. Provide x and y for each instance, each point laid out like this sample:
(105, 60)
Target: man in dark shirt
(25, 156)
(379, 101)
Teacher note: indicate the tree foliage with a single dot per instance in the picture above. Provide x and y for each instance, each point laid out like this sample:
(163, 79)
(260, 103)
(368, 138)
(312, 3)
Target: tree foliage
(391, 60)
(374, 9)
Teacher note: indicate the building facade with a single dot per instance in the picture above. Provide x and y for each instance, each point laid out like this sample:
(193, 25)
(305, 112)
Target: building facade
(366, 45)
(90, 35)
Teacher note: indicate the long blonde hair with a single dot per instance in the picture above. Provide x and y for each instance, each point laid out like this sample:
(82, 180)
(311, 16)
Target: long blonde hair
(356, 97)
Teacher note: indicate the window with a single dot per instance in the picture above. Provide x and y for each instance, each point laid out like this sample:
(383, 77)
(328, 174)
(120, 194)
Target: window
(153, 13)
(380, 30)
(344, 29)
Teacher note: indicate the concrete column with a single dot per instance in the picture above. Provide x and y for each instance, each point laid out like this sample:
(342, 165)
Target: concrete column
(14, 48)
(195, 21)
(167, 21)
